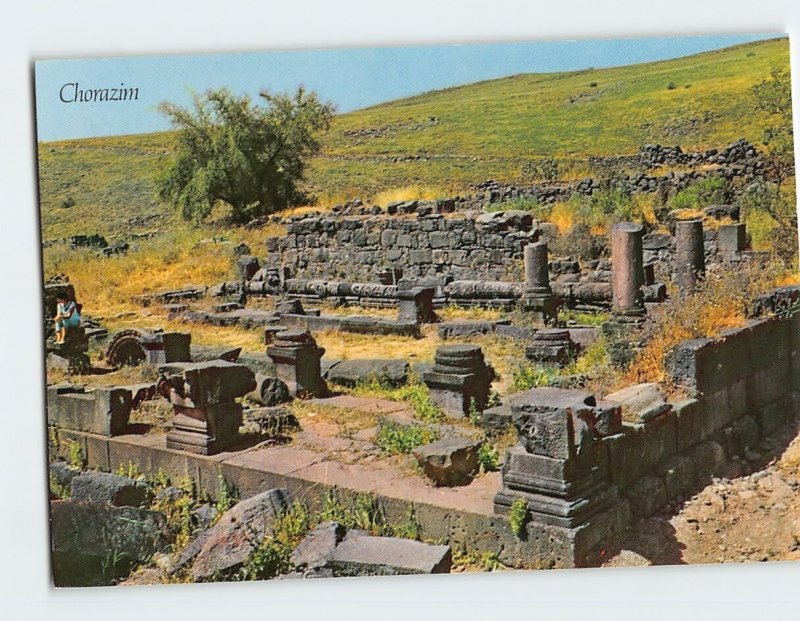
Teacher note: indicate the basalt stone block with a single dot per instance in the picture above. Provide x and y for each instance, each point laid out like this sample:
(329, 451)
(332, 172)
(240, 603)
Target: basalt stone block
(639, 448)
(566, 478)
(86, 536)
(741, 435)
(554, 422)
(640, 403)
(464, 328)
(270, 391)
(318, 545)
(450, 461)
(708, 457)
(202, 384)
(205, 431)
(772, 415)
(104, 487)
(732, 237)
(496, 419)
(459, 380)
(646, 496)
(552, 346)
(685, 364)
(231, 541)
(247, 265)
(352, 372)
(297, 362)
(679, 476)
(693, 424)
(103, 411)
(608, 418)
(416, 304)
(388, 556)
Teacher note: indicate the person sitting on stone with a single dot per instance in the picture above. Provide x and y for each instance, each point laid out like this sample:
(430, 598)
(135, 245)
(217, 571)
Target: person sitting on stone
(67, 316)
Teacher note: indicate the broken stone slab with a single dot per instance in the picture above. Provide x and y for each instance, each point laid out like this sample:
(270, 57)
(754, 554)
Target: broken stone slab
(231, 541)
(201, 384)
(464, 328)
(450, 461)
(107, 488)
(388, 556)
(351, 372)
(641, 402)
(318, 545)
(207, 353)
(88, 537)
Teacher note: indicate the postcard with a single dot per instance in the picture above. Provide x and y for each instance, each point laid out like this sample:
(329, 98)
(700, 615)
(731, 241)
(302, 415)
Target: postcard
(420, 310)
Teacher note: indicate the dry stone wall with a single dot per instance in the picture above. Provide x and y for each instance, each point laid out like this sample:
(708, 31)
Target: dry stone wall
(360, 248)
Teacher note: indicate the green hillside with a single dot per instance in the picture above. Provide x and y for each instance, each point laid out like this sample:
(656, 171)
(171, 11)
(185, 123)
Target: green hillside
(461, 135)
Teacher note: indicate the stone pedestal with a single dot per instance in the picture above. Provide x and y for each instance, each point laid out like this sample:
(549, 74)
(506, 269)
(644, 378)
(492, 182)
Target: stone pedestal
(297, 362)
(416, 304)
(627, 270)
(205, 431)
(689, 255)
(538, 299)
(551, 346)
(558, 467)
(202, 394)
(460, 378)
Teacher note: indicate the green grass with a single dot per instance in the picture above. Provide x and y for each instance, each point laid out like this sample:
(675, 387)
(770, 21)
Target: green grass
(490, 129)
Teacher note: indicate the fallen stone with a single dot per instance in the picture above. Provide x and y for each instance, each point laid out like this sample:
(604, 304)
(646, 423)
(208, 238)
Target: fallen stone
(449, 461)
(107, 488)
(62, 473)
(351, 372)
(317, 546)
(203, 516)
(206, 353)
(464, 328)
(231, 541)
(270, 391)
(388, 556)
(95, 544)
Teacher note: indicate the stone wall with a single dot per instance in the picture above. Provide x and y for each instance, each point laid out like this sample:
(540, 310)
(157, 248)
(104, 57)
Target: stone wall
(360, 248)
(739, 389)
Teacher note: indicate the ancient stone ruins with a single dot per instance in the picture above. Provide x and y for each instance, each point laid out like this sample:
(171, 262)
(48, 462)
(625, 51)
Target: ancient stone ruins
(583, 466)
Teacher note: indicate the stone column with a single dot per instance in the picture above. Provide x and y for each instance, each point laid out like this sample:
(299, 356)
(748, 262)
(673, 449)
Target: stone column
(627, 270)
(537, 276)
(296, 357)
(689, 255)
(538, 297)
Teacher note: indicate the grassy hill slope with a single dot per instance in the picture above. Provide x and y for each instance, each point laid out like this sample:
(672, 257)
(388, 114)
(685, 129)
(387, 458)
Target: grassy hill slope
(461, 135)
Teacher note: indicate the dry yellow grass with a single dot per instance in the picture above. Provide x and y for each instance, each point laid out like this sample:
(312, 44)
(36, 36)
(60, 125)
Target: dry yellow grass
(346, 346)
(719, 304)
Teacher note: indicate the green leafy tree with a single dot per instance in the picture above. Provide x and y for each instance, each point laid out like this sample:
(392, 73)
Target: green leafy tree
(250, 157)
(774, 96)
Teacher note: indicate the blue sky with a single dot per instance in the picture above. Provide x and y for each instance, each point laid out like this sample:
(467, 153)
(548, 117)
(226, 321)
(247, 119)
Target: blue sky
(350, 78)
